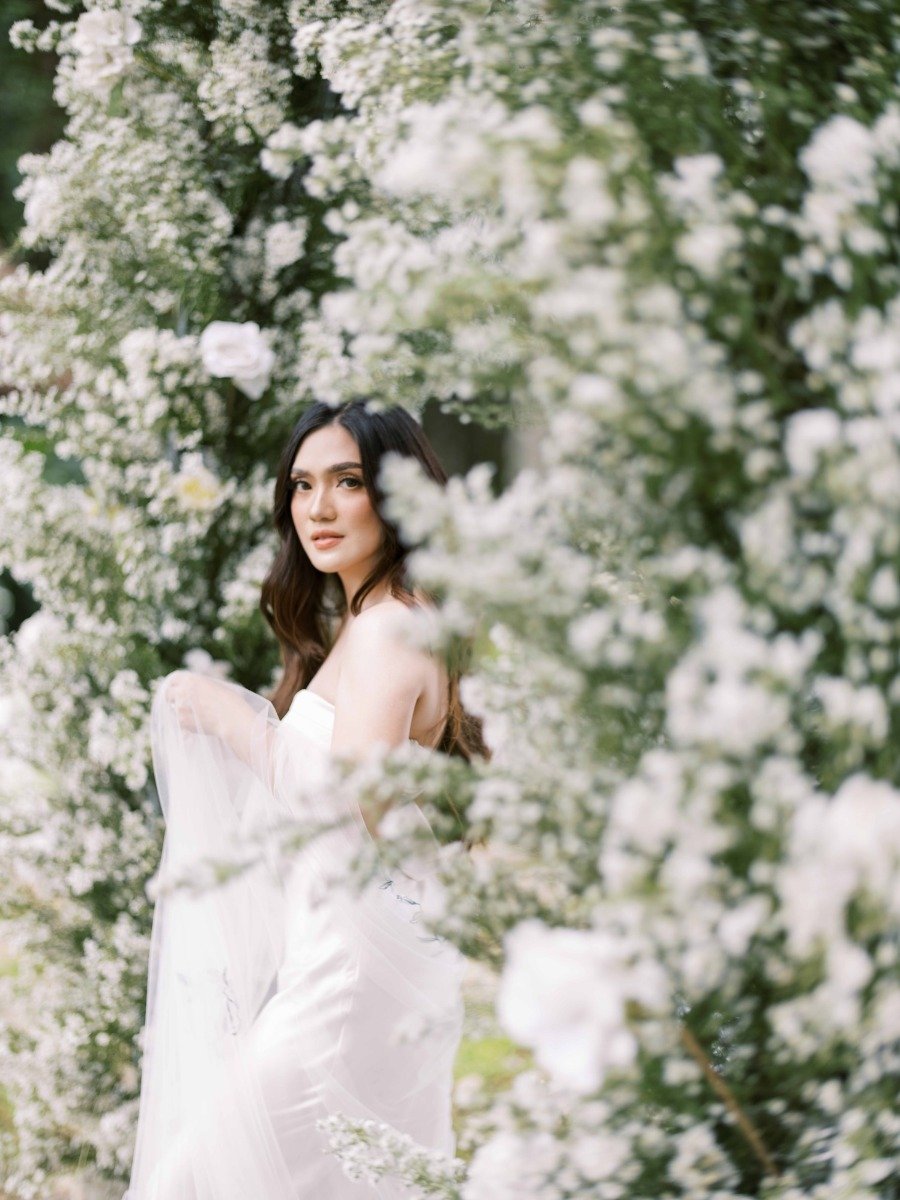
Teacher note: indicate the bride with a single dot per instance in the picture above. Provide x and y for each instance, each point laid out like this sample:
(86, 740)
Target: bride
(276, 998)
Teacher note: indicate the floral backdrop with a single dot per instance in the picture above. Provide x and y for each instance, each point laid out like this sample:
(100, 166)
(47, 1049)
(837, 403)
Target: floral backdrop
(662, 236)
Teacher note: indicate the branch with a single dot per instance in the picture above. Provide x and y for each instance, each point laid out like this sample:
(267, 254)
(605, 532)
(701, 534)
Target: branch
(724, 1092)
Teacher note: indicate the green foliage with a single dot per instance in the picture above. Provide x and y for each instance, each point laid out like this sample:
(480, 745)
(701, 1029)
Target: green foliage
(31, 121)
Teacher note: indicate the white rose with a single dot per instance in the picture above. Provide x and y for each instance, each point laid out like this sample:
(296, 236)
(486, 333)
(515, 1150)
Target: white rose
(102, 42)
(238, 352)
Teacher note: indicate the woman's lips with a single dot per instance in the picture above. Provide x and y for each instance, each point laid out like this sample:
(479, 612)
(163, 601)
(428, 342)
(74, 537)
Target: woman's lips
(326, 543)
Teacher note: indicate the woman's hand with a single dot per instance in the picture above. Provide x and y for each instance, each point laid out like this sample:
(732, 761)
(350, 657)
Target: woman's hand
(194, 700)
(203, 704)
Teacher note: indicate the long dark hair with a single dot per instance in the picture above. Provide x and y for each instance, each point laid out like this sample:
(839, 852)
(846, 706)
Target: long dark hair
(295, 597)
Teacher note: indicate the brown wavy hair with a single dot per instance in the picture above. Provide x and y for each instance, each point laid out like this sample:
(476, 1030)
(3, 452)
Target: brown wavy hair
(302, 604)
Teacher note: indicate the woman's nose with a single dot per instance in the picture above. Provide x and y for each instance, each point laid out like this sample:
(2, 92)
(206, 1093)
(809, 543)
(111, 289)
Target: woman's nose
(321, 506)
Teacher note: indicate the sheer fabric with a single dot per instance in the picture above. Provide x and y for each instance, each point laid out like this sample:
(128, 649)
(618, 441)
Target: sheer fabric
(274, 999)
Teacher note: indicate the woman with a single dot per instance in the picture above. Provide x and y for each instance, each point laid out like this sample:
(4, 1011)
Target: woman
(277, 999)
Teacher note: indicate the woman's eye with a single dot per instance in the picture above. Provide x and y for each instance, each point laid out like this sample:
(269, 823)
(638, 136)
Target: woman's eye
(301, 485)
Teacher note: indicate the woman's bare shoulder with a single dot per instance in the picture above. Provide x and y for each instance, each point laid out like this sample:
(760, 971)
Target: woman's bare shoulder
(384, 622)
(383, 635)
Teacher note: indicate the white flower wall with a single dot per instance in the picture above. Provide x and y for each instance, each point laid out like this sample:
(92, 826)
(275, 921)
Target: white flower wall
(667, 236)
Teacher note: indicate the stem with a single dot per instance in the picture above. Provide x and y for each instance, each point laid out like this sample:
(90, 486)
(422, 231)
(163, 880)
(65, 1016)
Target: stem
(158, 69)
(721, 1088)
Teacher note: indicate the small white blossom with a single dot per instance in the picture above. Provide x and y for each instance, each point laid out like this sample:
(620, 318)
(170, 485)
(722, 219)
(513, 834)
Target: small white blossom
(809, 434)
(841, 155)
(284, 244)
(103, 41)
(706, 248)
(282, 149)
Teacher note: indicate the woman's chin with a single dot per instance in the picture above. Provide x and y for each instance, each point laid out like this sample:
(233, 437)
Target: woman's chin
(325, 560)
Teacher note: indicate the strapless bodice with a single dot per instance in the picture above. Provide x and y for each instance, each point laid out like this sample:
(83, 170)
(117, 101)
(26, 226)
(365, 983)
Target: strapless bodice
(314, 715)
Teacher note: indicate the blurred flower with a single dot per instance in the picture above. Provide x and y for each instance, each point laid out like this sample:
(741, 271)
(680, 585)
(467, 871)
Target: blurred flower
(239, 352)
(103, 41)
(196, 487)
(281, 151)
(284, 244)
(203, 663)
(566, 993)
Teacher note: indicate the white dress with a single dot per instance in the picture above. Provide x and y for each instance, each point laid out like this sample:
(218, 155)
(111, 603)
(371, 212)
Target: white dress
(276, 999)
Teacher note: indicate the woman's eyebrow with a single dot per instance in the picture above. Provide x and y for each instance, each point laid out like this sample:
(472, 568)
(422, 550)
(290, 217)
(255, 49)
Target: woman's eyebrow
(333, 470)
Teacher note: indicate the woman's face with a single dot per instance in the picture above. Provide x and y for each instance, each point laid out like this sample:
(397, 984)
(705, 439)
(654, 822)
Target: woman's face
(330, 498)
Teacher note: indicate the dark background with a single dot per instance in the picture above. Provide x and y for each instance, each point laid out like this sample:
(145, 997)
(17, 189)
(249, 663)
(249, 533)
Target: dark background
(29, 121)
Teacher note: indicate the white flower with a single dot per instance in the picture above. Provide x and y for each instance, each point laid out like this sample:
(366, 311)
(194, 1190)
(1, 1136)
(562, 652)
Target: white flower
(706, 247)
(282, 150)
(846, 705)
(37, 633)
(699, 1162)
(585, 194)
(808, 434)
(510, 1165)
(841, 155)
(849, 967)
(840, 847)
(284, 244)
(738, 925)
(445, 151)
(884, 590)
(102, 40)
(43, 205)
(589, 633)
(203, 663)
(196, 487)
(238, 352)
(694, 182)
(715, 696)
(564, 993)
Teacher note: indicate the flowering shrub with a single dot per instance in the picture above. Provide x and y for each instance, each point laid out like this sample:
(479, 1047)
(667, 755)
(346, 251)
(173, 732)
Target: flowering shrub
(665, 237)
